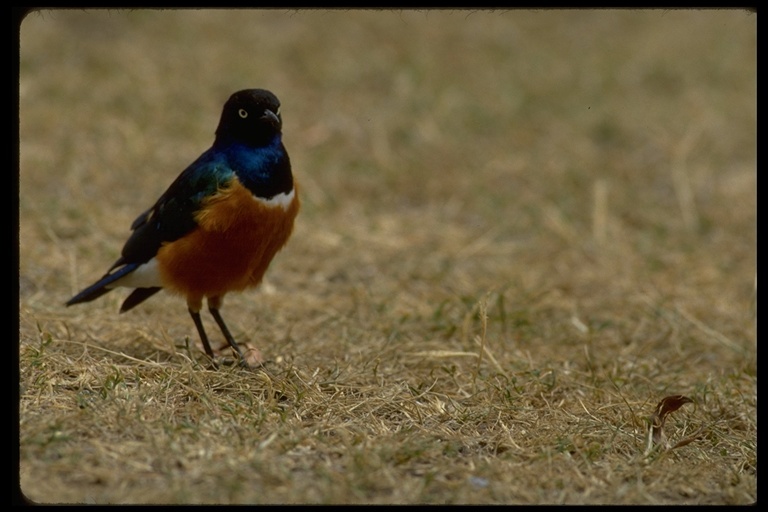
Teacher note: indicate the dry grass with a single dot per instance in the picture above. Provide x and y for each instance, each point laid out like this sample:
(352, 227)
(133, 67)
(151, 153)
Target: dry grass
(520, 231)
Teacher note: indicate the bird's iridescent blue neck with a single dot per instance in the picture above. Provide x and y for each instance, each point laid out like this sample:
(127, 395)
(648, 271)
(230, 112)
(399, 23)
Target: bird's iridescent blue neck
(265, 170)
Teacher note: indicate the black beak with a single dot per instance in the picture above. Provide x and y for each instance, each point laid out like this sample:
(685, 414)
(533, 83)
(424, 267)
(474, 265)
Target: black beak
(272, 118)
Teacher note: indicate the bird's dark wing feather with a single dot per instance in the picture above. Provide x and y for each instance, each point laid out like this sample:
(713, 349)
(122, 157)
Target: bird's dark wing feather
(170, 218)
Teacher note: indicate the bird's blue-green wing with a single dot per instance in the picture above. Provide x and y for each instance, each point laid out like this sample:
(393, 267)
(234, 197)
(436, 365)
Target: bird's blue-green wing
(173, 215)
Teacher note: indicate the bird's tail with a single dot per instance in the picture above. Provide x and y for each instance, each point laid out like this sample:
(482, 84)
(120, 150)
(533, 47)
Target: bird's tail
(138, 296)
(101, 286)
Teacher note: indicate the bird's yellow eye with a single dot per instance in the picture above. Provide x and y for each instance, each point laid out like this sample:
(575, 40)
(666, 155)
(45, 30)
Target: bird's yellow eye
(243, 113)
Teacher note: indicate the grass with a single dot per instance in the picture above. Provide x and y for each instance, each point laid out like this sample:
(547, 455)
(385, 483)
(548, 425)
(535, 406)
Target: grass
(520, 231)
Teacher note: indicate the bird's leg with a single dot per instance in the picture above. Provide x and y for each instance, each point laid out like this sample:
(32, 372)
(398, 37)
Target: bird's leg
(214, 303)
(194, 310)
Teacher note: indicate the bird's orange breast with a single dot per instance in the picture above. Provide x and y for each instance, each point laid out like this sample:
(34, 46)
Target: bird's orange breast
(236, 238)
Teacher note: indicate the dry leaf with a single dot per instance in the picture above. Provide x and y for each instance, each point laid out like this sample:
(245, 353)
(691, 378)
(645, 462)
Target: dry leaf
(667, 405)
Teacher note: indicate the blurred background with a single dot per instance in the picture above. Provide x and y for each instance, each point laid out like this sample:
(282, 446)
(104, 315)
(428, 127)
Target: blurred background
(439, 153)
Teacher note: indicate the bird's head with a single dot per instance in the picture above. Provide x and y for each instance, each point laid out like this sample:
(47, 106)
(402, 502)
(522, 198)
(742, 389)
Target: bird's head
(250, 116)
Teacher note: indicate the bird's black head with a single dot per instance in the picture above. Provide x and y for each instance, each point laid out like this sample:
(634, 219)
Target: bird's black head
(250, 116)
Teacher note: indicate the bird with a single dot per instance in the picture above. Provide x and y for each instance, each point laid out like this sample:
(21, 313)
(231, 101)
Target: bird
(218, 226)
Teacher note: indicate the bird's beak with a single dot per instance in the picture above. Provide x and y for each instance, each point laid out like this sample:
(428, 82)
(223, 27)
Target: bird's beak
(272, 117)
